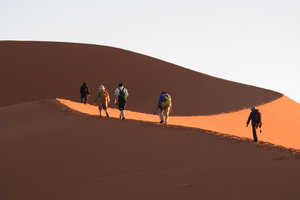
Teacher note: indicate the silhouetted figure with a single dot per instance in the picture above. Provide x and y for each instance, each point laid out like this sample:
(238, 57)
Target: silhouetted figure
(255, 118)
(84, 92)
(102, 100)
(164, 107)
(121, 94)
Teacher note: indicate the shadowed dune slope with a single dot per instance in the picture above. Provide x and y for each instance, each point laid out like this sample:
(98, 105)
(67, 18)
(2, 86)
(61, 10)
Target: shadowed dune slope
(41, 70)
(50, 153)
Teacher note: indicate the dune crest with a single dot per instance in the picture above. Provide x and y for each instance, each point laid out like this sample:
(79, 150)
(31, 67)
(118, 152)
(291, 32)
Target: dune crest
(46, 70)
(48, 152)
(280, 121)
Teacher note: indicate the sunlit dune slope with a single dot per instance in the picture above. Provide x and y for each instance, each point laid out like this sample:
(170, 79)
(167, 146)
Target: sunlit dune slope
(48, 152)
(43, 70)
(281, 121)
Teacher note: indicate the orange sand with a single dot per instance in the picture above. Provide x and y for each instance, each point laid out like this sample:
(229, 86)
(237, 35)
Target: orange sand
(280, 121)
(48, 152)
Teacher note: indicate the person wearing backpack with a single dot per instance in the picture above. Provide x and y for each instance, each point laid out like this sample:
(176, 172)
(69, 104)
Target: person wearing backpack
(121, 95)
(102, 100)
(256, 121)
(84, 92)
(164, 106)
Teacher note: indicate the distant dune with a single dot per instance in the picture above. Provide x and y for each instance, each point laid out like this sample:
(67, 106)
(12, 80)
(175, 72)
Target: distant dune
(42, 70)
(52, 147)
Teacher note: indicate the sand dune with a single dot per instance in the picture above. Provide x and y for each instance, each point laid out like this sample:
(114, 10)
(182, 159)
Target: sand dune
(57, 149)
(281, 123)
(46, 70)
(48, 152)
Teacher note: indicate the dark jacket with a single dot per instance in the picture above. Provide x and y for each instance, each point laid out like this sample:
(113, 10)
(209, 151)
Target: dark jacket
(84, 90)
(255, 118)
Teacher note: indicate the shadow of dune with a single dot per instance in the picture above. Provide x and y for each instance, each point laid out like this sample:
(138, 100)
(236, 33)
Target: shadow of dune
(47, 148)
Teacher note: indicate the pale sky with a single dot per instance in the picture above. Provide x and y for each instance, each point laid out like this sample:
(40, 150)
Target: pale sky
(249, 41)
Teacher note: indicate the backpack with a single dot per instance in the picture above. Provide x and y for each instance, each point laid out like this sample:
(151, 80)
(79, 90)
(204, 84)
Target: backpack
(82, 89)
(103, 94)
(122, 96)
(167, 101)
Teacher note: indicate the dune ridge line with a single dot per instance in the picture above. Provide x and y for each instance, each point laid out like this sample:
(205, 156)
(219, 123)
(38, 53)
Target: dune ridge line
(228, 123)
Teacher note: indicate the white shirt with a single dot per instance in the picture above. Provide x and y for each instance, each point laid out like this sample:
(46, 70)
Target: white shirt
(117, 91)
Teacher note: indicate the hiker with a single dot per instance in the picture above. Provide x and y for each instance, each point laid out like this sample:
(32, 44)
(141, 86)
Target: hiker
(164, 107)
(102, 100)
(255, 118)
(121, 95)
(84, 91)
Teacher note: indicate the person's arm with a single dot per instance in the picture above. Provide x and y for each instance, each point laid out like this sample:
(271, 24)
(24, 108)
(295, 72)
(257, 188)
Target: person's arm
(126, 93)
(249, 118)
(108, 98)
(97, 96)
(157, 106)
(260, 123)
(82, 90)
(116, 95)
(159, 101)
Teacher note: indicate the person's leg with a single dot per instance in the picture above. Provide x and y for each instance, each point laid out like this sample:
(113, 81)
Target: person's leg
(161, 115)
(119, 107)
(105, 109)
(164, 115)
(167, 112)
(107, 115)
(122, 108)
(254, 133)
(122, 115)
(100, 109)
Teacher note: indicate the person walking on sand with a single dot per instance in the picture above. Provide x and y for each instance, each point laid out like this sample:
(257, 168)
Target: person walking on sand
(256, 121)
(121, 95)
(102, 100)
(84, 92)
(164, 106)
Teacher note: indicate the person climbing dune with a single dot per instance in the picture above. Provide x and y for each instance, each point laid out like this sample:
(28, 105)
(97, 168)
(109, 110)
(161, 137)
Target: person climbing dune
(121, 95)
(164, 106)
(102, 100)
(256, 121)
(84, 92)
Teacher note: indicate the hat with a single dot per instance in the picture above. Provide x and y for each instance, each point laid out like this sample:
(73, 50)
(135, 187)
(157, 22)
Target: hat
(101, 87)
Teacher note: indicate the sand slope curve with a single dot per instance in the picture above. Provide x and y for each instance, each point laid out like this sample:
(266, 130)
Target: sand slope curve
(281, 121)
(46, 70)
(50, 153)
